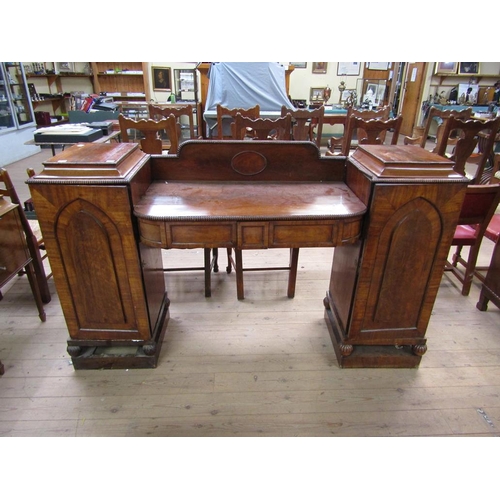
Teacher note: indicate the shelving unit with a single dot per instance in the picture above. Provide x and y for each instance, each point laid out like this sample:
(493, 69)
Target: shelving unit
(126, 82)
(15, 105)
(445, 82)
(52, 88)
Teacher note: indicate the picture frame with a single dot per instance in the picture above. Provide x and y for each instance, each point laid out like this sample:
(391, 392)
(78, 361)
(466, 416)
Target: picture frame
(348, 68)
(317, 94)
(345, 94)
(298, 65)
(449, 68)
(468, 68)
(64, 67)
(162, 79)
(319, 67)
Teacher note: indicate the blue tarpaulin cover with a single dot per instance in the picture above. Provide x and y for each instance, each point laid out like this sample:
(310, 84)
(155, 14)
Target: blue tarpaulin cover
(245, 84)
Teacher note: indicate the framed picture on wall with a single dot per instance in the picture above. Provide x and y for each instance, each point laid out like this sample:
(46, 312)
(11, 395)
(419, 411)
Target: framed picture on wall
(348, 68)
(468, 68)
(161, 79)
(300, 65)
(446, 67)
(319, 67)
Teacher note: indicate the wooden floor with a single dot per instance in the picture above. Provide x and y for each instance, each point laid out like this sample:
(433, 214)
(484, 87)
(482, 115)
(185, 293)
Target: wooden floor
(264, 366)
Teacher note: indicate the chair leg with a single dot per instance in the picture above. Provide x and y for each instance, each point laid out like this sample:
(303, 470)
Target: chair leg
(230, 261)
(36, 291)
(456, 256)
(240, 291)
(470, 267)
(208, 272)
(292, 276)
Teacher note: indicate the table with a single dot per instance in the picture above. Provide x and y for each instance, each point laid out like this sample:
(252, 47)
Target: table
(114, 135)
(334, 115)
(106, 222)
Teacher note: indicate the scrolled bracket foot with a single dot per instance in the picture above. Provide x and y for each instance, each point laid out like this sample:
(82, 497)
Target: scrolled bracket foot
(419, 350)
(345, 349)
(149, 349)
(74, 350)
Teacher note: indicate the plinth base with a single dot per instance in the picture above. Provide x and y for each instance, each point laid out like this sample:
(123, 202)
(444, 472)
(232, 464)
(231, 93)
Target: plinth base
(122, 355)
(368, 356)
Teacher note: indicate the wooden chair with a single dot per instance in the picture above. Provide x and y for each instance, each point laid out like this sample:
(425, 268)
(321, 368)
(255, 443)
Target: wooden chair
(336, 146)
(152, 144)
(151, 131)
(479, 205)
(13, 253)
(157, 112)
(304, 121)
(263, 128)
(40, 246)
(440, 116)
(465, 150)
(371, 131)
(223, 112)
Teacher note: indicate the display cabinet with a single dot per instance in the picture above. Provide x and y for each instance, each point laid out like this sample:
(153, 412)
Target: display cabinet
(15, 104)
(186, 85)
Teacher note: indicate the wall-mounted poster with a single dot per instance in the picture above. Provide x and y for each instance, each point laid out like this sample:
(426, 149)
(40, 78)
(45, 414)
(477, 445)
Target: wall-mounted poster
(348, 68)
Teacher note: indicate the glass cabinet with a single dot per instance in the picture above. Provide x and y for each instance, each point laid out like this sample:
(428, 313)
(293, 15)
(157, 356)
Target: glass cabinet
(16, 110)
(186, 88)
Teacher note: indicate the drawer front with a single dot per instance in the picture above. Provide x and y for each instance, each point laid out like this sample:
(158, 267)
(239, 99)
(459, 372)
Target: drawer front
(162, 234)
(200, 235)
(13, 250)
(253, 235)
(325, 233)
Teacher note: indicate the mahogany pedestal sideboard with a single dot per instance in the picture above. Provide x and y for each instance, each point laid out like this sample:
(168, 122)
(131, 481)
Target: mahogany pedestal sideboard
(107, 211)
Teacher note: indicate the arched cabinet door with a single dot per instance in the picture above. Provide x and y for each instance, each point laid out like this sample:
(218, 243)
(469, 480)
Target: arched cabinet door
(94, 258)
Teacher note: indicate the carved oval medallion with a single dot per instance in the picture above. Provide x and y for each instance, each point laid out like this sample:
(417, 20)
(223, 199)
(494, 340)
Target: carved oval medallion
(249, 163)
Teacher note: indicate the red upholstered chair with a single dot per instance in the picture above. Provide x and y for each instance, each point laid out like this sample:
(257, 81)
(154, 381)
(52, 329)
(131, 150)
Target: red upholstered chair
(480, 203)
(371, 131)
(442, 115)
(470, 134)
(493, 234)
(335, 144)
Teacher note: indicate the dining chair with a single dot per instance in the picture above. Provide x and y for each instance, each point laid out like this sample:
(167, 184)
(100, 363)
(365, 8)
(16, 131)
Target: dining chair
(371, 131)
(157, 112)
(336, 145)
(16, 233)
(304, 122)
(153, 144)
(263, 128)
(150, 133)
(224, 113)
(466, 149)
(41, 252)
(440, 116)
(478, 208)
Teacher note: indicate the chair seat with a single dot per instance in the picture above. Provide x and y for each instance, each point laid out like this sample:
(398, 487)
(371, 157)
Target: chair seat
(493, 230)
(464, 235)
